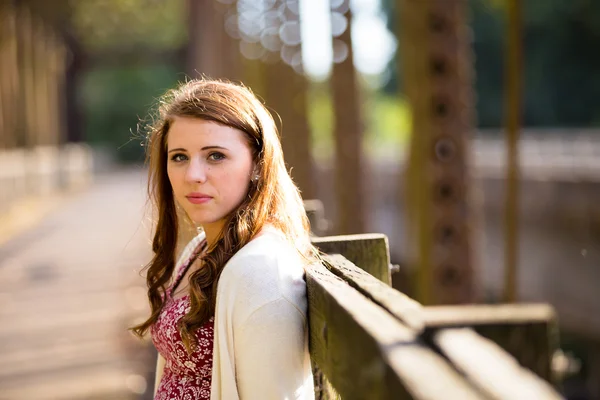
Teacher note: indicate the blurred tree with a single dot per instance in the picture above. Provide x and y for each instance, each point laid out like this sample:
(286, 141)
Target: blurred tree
(9, 89)
(211, 51)
(116, 112)
(58, 15)
(32, 69)
(285, 92)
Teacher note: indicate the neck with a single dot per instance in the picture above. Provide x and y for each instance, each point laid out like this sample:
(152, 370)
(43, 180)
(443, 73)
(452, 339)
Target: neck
(212, 232)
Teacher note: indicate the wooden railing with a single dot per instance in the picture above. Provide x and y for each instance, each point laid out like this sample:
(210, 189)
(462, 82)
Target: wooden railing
(42, 170)
(370, 341)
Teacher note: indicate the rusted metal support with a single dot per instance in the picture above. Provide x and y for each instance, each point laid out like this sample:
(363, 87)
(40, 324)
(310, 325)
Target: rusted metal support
(513, 120)
(348, 134)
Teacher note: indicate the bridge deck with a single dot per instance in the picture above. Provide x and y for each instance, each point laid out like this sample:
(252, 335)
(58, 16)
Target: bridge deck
(65, 297)
(69, 286)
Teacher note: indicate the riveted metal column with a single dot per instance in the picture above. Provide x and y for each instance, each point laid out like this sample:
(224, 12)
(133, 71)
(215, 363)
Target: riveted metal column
(437, 69)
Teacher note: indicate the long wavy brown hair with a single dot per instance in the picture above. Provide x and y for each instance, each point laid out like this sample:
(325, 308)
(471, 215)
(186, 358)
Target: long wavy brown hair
(273, 199)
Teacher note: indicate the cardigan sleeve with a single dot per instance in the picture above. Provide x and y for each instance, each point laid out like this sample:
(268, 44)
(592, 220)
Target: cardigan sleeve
(271, 356)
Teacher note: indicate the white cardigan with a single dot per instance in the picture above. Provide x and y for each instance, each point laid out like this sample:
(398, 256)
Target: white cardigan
(261, 333)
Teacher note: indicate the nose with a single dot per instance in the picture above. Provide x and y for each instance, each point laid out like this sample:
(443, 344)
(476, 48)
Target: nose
(196, 171)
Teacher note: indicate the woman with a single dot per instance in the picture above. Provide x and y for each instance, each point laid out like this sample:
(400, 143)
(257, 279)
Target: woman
(229, 318)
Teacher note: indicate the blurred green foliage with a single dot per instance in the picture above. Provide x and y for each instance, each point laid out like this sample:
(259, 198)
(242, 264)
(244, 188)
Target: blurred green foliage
(106, 24)
(320, 114)
(388, 120)
(387, 126)
(118, 101)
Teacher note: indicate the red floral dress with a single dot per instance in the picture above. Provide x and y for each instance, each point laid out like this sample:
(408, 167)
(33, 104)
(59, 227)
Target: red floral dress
(185, 377)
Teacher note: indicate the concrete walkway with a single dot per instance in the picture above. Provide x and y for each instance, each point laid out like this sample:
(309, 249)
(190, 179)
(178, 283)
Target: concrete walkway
(69, 286)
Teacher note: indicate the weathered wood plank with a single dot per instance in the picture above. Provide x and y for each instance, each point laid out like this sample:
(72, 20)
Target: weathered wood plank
(407, 310)
(369, 251)
(486, 314)
(368, 354)
(323, 388)
(528, 332)
(490, 368)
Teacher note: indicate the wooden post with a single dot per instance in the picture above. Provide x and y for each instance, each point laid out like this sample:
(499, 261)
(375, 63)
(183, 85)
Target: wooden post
(369, 251)
(348, 134)
(437, 72)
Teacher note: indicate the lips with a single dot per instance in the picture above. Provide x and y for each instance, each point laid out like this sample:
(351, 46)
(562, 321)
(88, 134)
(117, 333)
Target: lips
(198, 198)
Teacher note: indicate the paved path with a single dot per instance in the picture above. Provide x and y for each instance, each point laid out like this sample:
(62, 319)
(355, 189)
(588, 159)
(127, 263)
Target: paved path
(68, 288)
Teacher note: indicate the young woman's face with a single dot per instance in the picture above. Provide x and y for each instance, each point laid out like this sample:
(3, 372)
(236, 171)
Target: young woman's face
(209, 167)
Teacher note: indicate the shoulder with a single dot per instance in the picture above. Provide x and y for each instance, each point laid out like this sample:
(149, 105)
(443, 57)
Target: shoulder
(267, 269)
(270, 254)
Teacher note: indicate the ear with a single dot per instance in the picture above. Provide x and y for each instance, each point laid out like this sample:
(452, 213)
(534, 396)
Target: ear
(255, 175)
(255, 169)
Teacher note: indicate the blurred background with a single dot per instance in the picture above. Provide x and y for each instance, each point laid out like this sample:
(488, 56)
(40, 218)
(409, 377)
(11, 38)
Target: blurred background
(466, 131)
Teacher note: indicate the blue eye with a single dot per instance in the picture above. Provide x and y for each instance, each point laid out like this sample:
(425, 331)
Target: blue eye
(216, 156)
(179, 157)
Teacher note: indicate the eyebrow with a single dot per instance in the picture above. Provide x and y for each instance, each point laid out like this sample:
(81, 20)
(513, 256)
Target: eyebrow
(204, 148)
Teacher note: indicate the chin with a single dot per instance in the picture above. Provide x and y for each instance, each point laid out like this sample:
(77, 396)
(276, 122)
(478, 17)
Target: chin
(203, 219)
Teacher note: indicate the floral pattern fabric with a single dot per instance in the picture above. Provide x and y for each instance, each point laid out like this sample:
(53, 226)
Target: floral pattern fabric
(186, 376)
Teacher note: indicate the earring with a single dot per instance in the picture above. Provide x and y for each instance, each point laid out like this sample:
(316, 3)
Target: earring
(255, 178)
